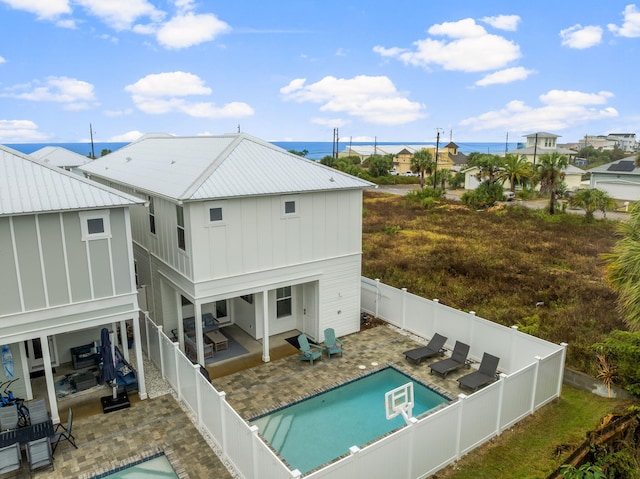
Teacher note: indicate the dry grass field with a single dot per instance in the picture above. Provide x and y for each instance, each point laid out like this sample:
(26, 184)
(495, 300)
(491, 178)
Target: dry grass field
(511, 265)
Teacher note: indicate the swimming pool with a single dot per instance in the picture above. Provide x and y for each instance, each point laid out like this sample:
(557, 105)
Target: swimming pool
(156, 466)
(319, 429)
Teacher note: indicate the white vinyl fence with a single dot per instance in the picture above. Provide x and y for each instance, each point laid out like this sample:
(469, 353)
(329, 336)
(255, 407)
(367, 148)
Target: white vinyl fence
(532, 376)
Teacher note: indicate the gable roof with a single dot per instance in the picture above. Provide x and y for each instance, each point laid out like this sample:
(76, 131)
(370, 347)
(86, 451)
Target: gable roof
(58, 156)
(210, 167)
(29, 186)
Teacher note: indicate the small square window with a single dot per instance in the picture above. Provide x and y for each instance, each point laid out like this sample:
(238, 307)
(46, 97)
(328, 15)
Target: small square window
(95, 226)
(289, 207)
(215, 214)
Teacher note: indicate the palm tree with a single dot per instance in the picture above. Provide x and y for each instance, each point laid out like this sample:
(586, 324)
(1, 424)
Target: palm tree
(489, 165)
(587, 200)
(623, 269)
(421, 162)
(549, 170)
(515, 169)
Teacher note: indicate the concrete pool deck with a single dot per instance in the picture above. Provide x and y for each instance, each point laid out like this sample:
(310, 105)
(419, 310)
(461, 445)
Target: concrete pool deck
(160, 423)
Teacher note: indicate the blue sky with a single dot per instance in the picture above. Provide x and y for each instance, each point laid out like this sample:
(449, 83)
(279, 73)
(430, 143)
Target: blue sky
(295, 70)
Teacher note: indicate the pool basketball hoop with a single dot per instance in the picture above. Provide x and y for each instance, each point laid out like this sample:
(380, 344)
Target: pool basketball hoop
(399, 401)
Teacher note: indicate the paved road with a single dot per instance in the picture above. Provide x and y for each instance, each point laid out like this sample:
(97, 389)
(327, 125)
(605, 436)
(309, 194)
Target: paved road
(536, 204)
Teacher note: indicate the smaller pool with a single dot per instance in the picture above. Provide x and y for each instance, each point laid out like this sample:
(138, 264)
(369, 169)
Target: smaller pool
(156, 466)
(322, 428)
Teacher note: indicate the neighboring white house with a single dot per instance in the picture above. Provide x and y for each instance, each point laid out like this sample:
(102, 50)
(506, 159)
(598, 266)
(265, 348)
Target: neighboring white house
(540, 143)
(60, 157)
(244, 231)
(67, 267)
(620, 179)
(625, 141)
(571, 175)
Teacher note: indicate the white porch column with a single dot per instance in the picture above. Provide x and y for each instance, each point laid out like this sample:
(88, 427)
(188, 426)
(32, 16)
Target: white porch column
(48, 374)
(123, 340)
(197, 309)
(265, 326)
(142, 388)
(180, 321)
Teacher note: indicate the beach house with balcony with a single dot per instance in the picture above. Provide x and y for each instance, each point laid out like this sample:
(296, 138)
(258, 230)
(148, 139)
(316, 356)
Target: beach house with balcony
(67, 269)
(239, 231)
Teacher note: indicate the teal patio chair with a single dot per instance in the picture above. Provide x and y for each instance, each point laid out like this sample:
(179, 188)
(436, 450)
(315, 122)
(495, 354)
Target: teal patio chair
(332, 345)
(308, 353)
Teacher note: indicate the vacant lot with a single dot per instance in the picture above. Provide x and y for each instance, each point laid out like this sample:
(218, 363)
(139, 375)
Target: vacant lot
(512, 266)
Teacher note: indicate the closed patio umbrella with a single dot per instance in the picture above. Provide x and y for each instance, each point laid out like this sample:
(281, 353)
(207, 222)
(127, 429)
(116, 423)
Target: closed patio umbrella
(108, 373)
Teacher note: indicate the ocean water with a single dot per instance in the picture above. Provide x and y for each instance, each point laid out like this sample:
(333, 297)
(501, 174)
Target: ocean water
(316, 149)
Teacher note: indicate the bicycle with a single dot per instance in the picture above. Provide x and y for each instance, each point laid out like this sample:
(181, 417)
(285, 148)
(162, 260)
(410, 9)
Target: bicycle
(8, 399)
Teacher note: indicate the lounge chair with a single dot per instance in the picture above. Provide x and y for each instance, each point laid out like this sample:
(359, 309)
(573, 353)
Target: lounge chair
(332, 345)
(485, 374)
(63, 433)
(10, 458)
(308, 353)
(434, 348)
(457, 360)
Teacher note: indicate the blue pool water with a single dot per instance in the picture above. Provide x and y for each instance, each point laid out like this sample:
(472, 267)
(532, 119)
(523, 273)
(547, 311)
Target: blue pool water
(317, 430)
(157, 466)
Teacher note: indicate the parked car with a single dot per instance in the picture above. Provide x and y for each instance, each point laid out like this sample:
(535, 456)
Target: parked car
(393, 172)
(410, 173)
(509, 196)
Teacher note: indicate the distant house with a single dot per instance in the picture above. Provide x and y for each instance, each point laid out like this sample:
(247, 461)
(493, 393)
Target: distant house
(540, 143)
(625, 141)
(241, 231)
(621, 178)
(67, 267)
(61, 157)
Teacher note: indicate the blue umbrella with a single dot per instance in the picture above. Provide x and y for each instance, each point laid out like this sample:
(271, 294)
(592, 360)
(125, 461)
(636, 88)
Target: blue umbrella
(108, 374)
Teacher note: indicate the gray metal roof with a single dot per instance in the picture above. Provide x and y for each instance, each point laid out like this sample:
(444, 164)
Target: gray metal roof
(58, 156)
(29, 186)
(369, 150)
(208, 167)
(606, 168)
(530, 150)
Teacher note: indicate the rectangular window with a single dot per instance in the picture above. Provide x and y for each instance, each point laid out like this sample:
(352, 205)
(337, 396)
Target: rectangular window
(289, 207)
(283, 302)
(221, 309)
(215, 214)
(180, 219)
(152, 216)
(95, 225)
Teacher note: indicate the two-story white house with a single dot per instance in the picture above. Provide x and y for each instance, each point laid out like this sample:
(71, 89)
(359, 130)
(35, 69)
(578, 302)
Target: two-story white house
(540, 143)
(67, 267)
(243, 231)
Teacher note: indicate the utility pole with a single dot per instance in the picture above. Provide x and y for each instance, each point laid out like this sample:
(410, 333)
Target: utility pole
(506, 145)
(535, 149)
(93, 155)
(435, 167)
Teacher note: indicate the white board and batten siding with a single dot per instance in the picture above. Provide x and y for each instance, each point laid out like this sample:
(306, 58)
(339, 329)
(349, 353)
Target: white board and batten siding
(255, 235)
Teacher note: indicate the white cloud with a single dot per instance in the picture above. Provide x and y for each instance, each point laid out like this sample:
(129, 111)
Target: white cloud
(128, 137)
(503, 22)
(2, 60)
(169, 84)
(560, 109)
(581, 37)
(330, 122)
(20, 131)
(122, 14)
(373, 99)
(470, 49)
(163, 93)
(507, 75)
(74, 94)
(631, 25)
(44, 9)
(184, 31)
